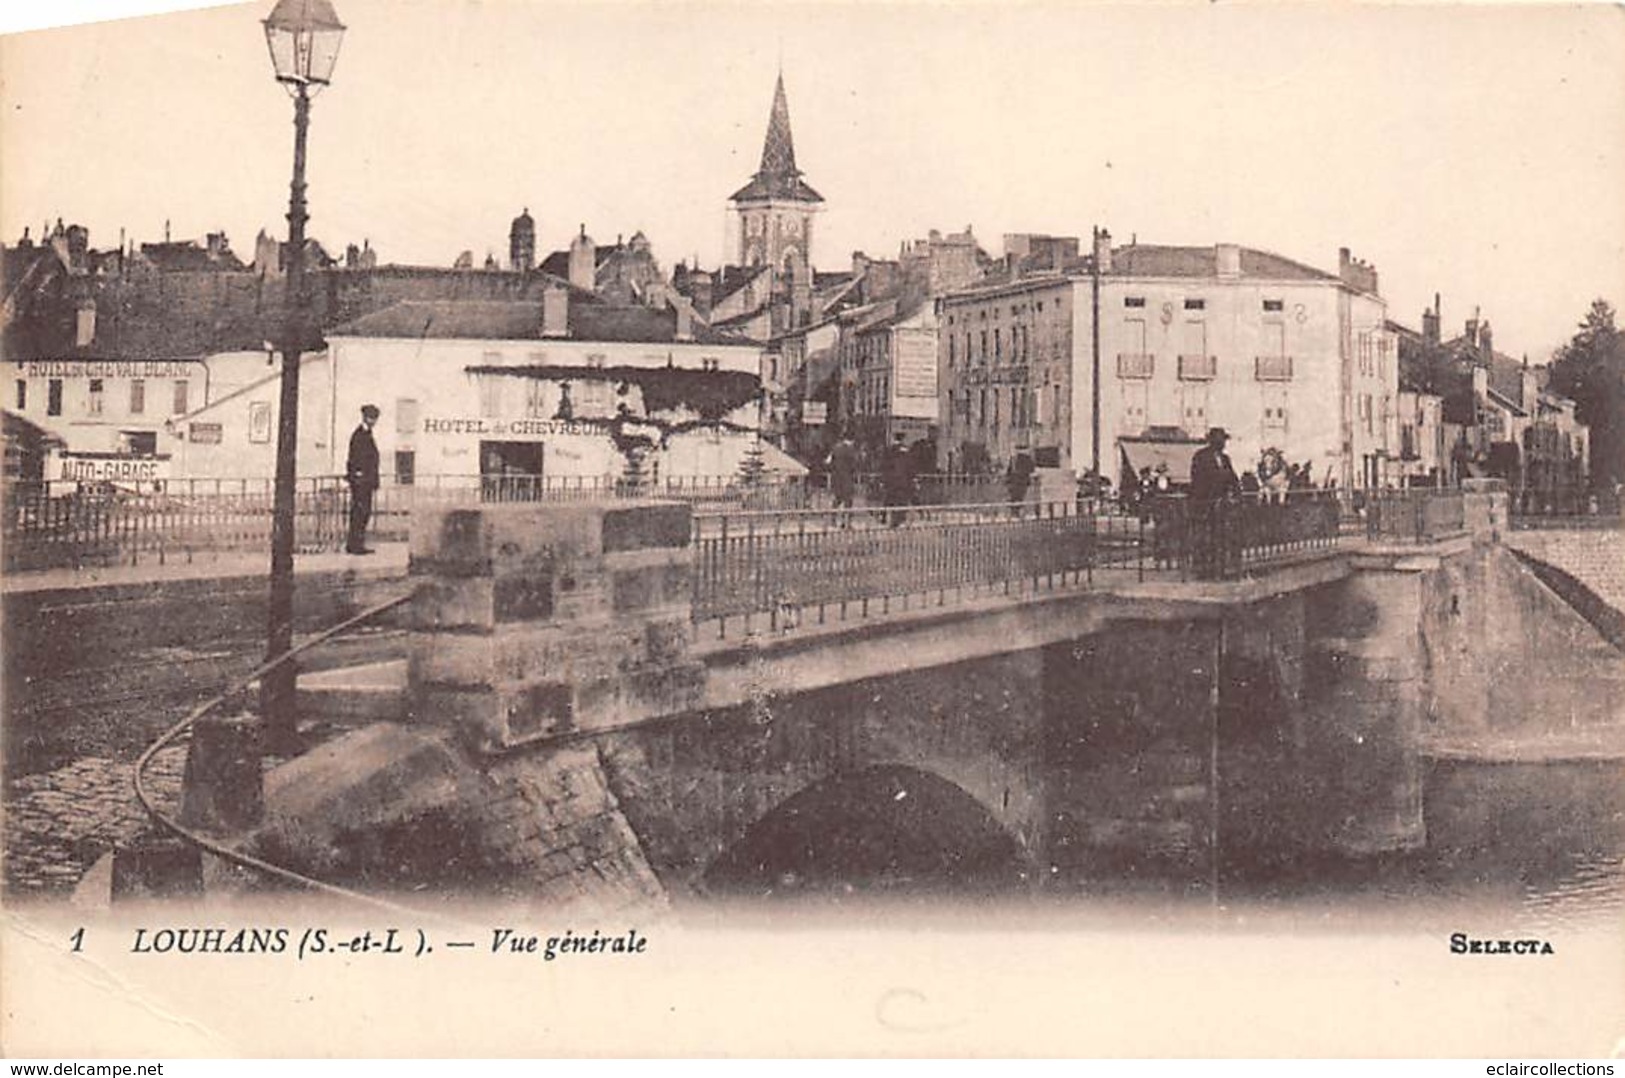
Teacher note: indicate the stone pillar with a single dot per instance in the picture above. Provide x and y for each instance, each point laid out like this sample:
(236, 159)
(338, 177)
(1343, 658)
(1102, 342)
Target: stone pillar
(1485, 505)
(532, 621)
(1366, 697)
(224, 784)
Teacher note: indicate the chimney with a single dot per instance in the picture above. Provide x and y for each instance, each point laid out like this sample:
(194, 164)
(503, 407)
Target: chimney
(1227, 256)
(1103, 250)
(1486, 340)
(685, 318)
(1481, 382)
(556, 311)
(1356, 273)
(1470, 330)
(1430, 322)
(583, 261)
(267, 255)
(699, 290)
(1530, 386)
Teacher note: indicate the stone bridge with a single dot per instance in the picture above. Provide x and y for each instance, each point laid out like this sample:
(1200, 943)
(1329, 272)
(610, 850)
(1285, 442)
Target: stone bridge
(563, 738)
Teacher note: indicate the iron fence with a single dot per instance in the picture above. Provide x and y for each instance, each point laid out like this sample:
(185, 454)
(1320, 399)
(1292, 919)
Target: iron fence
(1222, 539)
(59, 524)
(46, 526)
(1566, 507)
(1413, 516)
(785, 567)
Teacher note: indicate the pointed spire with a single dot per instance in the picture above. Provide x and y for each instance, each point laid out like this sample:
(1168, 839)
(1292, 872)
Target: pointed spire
(778, 177)
(778, 149)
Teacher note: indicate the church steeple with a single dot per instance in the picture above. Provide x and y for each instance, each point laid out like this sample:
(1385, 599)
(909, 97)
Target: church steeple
(778, 178)
(776, 208)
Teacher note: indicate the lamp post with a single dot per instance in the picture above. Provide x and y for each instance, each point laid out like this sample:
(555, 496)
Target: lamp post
(303, 37)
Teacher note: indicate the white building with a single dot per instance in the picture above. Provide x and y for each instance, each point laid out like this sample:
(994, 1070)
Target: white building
(565, 388)
(1280, 354)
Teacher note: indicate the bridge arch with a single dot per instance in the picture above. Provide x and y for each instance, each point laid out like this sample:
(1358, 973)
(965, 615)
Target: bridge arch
(882, 829)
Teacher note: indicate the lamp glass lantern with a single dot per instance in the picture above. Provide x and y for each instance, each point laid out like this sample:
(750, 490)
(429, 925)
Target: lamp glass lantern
(304, 37)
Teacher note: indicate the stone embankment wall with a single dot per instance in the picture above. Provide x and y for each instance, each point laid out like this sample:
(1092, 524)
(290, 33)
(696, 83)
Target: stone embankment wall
(1593, 556)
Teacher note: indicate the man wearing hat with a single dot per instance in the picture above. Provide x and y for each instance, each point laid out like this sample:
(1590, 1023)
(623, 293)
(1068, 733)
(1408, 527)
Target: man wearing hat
(361, 472)
(1213, 481)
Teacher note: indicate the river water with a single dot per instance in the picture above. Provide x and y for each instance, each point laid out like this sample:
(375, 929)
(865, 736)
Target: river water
(1517, 850)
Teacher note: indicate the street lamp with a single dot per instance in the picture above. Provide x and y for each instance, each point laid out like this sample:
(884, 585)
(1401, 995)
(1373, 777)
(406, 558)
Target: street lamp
(303, 36)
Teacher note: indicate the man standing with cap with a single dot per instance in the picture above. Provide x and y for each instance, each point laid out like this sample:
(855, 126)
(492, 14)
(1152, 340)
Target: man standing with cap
(361, 472)
(1213, 482)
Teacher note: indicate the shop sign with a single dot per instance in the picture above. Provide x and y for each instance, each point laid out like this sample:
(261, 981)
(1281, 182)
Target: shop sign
(107, 368)
(106, 468)
(522, 428)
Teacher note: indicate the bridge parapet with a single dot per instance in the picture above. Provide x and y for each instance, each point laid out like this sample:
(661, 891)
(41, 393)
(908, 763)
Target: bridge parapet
(533, 621)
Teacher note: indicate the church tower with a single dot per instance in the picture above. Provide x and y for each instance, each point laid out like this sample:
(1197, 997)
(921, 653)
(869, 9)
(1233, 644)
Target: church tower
(776, 207)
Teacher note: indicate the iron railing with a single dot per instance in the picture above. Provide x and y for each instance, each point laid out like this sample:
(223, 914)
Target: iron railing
(1413, 516)
(836, 564)
(779, 570)
(56, 524)
(1566, 506)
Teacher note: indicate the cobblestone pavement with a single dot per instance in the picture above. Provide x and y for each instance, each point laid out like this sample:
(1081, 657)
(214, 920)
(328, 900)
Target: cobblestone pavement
(57, 823)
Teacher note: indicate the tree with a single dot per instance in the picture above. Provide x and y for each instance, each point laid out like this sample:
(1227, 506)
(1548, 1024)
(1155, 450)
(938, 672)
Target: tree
(1590, 369)
(753, 466)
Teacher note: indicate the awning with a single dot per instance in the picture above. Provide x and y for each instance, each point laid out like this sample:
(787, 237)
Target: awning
(1141, 453)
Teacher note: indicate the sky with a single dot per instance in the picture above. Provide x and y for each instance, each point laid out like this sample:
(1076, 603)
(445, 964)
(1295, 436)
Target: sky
(1474, 150)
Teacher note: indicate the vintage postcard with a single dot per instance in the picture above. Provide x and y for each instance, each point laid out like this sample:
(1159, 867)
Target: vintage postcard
(823, 529)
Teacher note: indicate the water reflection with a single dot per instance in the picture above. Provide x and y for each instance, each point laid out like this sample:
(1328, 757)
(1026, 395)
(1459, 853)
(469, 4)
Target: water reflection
(1524, 850)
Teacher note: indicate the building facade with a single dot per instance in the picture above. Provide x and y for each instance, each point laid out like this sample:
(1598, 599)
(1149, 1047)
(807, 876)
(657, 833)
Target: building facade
(1280, 354)
(567, 389)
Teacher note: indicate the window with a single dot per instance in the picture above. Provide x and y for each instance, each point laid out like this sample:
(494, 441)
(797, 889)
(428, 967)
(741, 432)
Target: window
(984, 343)
(178, 404)
(1193, 338)
(95, 406)
(1272, 305)
(138, 396)
(1134, 329)
(1135, 399)
(998, 346)
(406, 415)
(53, 397)
(405, 467)
(1193, 408)
(710, 363)
(22, 394)
(1275, 417)
(594, 398)
(950, 349)
(490, 396)
(536, 399)
(1366, 412)
(1134, 301)
(1196, 304)
(84, 330)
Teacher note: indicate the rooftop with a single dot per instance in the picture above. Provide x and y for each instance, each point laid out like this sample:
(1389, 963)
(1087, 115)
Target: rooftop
(522, 321)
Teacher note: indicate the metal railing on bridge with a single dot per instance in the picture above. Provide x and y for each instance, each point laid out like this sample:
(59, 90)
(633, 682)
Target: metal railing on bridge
(1567, 506)
(778, 570)
(72, 524)
(1418, 515)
